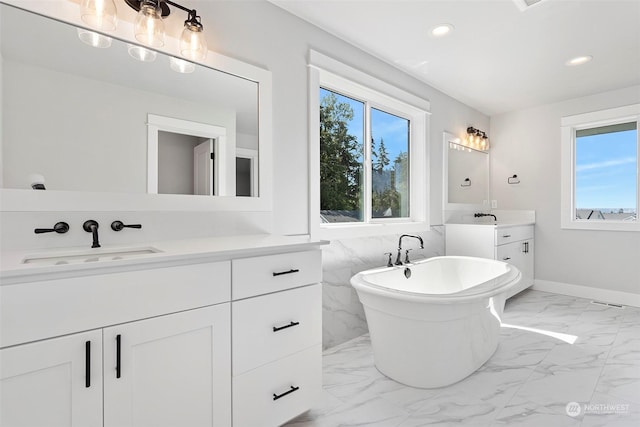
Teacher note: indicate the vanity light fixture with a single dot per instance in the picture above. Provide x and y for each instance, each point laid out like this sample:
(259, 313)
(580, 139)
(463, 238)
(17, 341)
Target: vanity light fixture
(99, 14)
(476, 139)
(149, 28)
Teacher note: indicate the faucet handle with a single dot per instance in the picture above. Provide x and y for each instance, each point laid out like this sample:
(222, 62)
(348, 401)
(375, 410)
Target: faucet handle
(389, 261)
(119, 225)
(60, 228)
(406, 256)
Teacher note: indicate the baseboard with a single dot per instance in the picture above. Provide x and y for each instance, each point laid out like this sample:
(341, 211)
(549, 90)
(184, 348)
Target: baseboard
(604, 295)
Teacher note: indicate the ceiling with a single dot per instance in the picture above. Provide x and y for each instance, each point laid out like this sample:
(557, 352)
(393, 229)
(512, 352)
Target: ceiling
(502, 56)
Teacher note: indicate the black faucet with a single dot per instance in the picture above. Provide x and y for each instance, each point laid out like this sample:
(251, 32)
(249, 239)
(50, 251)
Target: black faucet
(398, 260)
(480, 215)
(91, 226)
(119, 226)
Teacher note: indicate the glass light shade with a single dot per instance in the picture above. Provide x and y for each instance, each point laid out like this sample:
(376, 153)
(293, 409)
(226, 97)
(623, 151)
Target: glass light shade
(94, 39)
(181, 66)
(99, 14)
(141, 54)
(149, 28)
(193, 44)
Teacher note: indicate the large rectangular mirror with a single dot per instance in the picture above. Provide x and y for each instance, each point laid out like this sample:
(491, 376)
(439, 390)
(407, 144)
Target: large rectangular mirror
(83, 117)
(466, 175)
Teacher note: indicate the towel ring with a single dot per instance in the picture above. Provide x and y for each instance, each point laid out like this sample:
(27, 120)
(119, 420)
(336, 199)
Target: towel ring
(513, 179)
(466, 183)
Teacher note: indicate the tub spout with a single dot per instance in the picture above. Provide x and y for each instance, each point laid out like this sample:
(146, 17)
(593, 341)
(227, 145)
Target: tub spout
(398, 258)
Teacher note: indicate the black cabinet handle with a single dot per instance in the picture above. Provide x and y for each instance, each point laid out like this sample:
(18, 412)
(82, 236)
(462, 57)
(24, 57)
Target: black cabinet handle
(87, 364)
(278, 396)
(279, 328)
(506, 258)
(118, 366)
(293, 270)
(506, 235)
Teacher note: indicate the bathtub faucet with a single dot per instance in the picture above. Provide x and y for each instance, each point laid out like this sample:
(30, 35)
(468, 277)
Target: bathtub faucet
(398, 260)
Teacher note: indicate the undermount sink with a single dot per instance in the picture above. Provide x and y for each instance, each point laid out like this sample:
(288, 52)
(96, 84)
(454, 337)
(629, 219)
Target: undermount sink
(94, 255)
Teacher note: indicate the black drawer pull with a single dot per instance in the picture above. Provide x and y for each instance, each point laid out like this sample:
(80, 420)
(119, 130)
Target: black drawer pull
(278, 396)
(118, 366)
(280, 273)
(507, 258)
(506, 235)
(87, 364)
(279, 328)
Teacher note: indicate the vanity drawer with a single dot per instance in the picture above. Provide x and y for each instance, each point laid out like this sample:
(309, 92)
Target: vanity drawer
(272, 273)
(269, 327)
(275, 393)
(513, 234)
(38, 310)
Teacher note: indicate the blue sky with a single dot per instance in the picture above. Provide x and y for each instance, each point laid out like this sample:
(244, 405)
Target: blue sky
(606, 167)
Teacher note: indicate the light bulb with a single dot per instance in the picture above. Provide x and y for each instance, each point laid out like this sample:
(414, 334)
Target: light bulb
(193, 44)
(94, 39)
(140, 53)
(149, 28)
(99, 14)
(181, 66)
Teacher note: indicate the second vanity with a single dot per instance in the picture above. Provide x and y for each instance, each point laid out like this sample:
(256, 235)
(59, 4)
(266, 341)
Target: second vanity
(202, 332)
(510, 242)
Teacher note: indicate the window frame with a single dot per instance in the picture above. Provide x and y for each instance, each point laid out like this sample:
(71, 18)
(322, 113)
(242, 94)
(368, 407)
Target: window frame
(569, 126)
(327, 73)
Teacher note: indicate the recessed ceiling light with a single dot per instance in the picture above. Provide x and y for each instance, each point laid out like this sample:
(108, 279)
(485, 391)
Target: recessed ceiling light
(578, 60)
(441, 30)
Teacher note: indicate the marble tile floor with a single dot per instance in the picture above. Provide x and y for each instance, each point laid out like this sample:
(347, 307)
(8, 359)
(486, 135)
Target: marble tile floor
(554, 350)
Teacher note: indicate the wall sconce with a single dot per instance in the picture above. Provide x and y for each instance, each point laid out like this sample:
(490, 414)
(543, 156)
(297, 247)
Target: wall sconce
(148, 28)
(476, 139)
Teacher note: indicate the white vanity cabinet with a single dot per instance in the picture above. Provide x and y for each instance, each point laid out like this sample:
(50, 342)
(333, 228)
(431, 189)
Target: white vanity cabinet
(509, 243)
(166, 344)
(277, 337)
(166, 371)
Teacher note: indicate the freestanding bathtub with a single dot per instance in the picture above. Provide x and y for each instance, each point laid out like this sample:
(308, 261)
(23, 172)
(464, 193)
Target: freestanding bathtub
(435, 321)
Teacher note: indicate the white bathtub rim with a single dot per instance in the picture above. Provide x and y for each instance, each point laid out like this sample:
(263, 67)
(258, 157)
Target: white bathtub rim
(482, 290)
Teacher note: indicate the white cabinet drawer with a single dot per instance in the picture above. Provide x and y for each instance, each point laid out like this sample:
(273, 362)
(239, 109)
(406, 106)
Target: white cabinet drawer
(272, 273)
(275, 393)
(513, 234)
(269, 327)
(49, 308)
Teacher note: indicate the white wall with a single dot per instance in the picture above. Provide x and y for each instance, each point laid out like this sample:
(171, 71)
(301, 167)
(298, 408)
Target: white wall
(527, 143)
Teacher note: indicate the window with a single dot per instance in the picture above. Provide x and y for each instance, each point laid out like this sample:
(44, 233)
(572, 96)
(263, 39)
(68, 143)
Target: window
(345, 192)
(368, 161)
(600, 170)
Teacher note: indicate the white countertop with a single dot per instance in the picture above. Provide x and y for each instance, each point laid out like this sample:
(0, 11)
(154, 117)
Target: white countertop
(171, 252)
(499, 224)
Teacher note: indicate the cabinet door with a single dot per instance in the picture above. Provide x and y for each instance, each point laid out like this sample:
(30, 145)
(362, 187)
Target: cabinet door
(519, 254)
(172, 370)
(55, 382)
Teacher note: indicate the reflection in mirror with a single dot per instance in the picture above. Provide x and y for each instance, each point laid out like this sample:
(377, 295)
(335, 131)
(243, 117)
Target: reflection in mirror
(466, 170)
(78, 115)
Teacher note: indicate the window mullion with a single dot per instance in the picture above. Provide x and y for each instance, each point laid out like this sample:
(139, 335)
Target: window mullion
(367, 163)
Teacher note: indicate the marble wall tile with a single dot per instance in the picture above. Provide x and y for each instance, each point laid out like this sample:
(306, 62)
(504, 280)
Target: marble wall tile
(343, 315)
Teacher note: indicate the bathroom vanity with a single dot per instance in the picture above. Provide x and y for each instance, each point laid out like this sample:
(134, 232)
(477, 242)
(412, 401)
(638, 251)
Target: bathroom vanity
(202, 332)
(512, 243)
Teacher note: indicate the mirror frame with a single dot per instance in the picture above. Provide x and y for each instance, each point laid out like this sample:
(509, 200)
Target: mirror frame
(68, 12)
(448, 137)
